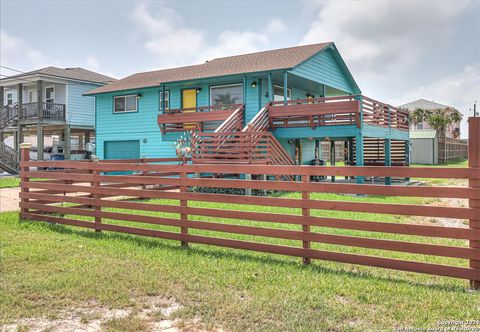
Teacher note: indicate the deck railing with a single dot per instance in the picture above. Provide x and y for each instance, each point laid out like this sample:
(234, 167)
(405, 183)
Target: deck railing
(336, 111)
(197, 118)
(50, 111)
(384, 115)
(330, 237)
(330, 111)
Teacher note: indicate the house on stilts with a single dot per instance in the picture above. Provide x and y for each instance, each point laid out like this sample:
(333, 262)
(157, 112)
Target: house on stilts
(271, 107)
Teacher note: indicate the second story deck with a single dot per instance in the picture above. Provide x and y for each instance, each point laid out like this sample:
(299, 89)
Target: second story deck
(333, 112)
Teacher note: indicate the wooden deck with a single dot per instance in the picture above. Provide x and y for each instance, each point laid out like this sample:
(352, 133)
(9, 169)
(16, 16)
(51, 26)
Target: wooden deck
(201, 118)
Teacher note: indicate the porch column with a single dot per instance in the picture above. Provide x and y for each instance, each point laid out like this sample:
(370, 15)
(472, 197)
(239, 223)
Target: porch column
(270, 87)
(359, 154)
(87, 137)
(40, 137)
(285, 90)
(407, 156)
(163, 99)
(388, 158)
(2, 96)
(40, 142)
(81, 143)
(20, 99)
(332, 156)
(39, 98)
(18, 136)
(245, 98)
(66, 142)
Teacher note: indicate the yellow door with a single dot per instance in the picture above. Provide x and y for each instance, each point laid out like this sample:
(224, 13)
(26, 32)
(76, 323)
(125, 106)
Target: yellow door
(189, 100)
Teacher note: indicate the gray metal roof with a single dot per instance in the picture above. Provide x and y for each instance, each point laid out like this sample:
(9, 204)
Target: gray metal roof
(423, 133)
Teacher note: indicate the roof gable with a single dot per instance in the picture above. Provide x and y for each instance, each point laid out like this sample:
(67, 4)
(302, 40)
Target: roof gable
(423, 104)
(285, 58)
(327, 67)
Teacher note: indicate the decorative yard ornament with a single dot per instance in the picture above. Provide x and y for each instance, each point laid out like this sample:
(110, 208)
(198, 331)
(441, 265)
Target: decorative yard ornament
(184, 146)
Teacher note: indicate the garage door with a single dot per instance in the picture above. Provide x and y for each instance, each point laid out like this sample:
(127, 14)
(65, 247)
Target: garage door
(122, 149)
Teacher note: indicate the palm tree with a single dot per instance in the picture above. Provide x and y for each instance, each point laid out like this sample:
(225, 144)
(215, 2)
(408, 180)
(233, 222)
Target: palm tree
(439, 120)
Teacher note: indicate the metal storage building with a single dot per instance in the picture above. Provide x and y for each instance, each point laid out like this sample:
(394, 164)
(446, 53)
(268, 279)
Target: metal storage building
(424, 149)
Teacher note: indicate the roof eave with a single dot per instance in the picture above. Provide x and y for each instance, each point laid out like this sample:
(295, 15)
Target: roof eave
(190, 80)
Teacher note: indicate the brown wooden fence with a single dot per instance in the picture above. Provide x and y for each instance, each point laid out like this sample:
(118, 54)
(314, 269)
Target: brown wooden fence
(298, 224)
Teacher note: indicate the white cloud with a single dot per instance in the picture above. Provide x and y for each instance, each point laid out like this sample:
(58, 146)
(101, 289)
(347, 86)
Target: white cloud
(459, 90)
(386, 35)
(18, 54)
(175, 43)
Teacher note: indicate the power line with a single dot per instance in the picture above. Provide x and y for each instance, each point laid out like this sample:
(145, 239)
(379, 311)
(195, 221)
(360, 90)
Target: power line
(18, 71)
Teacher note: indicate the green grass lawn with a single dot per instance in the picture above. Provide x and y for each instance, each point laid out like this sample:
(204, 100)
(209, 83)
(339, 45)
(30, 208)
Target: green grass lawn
(9, 182)
(49, 268)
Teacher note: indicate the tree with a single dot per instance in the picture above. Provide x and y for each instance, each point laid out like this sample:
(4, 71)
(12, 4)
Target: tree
(439, 120)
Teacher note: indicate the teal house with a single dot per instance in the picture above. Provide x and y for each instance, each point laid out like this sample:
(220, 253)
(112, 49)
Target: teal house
(298, 97)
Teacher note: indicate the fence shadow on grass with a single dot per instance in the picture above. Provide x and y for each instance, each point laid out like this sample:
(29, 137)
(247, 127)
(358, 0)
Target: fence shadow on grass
(158, 243)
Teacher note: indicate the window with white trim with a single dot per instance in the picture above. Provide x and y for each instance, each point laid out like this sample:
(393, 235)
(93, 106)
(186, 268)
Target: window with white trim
(50, 94)
(167, 100)
(125, 104)
(9, 98)
(226, 94)
(278, 93)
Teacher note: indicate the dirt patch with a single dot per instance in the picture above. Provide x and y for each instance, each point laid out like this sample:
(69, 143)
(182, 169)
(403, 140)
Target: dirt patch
(153, 313)
(9, 199)
(446, 222)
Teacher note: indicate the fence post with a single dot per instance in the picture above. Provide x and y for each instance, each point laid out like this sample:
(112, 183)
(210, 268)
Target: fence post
(183, 204)
(474, 161)
(95, 184)
(306, 213)
(24, 156)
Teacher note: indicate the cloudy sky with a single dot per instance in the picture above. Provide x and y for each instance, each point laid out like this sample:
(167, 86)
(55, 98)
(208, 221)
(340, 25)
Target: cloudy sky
(397, 51)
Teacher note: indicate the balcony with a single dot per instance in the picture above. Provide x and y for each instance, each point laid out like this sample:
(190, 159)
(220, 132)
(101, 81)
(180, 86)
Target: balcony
(48, 111)
(202, 118)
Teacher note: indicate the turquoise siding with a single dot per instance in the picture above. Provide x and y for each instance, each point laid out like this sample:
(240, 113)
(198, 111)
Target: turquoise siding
(141, 125)
(326, 68)
(80, 109)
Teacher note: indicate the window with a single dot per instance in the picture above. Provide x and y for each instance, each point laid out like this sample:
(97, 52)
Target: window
(9, 98)
(226, 94)
(167, 100)
(50, 94)
(125, 104)
(420, 125)
(278, 93)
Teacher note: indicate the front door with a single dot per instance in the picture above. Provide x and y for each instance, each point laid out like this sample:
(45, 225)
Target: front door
(189, 100)
(32, 96)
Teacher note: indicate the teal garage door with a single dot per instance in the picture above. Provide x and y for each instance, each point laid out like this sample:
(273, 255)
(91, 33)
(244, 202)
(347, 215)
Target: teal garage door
(122, 149)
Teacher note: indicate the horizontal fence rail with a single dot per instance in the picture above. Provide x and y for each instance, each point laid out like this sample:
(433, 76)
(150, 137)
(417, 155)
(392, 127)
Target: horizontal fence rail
(108, 195)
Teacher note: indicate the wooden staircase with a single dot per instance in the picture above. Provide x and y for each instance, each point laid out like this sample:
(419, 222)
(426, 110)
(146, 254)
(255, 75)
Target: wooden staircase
(230, 143)
(8, 159)
(8, 116)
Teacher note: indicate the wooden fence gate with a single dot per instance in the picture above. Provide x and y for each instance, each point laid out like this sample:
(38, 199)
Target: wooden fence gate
(88, 194)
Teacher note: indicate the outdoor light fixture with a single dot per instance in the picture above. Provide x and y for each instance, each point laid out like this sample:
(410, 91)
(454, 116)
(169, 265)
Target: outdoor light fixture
(198, 90)
(144, 140)
(266, 94)
(254, 84)
(139, 96)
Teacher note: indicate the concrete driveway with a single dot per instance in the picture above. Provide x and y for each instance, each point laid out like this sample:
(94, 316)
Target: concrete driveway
(9, 199)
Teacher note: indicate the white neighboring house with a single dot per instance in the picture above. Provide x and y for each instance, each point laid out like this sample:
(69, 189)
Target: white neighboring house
(46, 107)
(453, 131)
